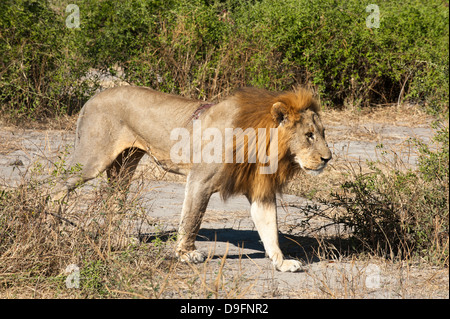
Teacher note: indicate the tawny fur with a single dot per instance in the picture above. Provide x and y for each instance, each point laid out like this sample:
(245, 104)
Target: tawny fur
(256, 111)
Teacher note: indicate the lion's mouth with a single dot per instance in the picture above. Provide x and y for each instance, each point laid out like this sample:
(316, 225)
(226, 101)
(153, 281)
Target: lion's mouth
(313, 172)
(318, 169)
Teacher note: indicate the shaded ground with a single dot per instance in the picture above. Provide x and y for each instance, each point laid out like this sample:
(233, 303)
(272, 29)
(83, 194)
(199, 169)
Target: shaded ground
(228, 230)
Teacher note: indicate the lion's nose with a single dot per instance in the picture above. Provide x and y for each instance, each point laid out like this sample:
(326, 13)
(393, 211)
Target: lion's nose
(326, 159)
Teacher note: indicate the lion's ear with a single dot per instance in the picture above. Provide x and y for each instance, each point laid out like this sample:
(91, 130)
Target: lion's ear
(279, 113)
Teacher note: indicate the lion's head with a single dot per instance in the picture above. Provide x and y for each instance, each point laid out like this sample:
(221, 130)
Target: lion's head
(301, 141)
(304, 134)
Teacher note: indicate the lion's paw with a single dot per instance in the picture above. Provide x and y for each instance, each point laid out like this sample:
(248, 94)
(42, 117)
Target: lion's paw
(290, 266)
(194, 257)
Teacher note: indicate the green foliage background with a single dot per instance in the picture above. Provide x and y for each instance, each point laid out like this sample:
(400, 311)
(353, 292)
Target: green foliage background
(207, 48)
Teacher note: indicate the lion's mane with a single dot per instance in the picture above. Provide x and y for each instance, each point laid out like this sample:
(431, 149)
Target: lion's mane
(256, 111)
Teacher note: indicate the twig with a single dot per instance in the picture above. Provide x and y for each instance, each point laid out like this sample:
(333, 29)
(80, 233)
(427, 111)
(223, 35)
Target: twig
(63, 219)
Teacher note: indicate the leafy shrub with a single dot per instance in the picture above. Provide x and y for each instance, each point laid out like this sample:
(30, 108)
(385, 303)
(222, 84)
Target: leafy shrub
(329, 45)
(204, 48)
(39, 75)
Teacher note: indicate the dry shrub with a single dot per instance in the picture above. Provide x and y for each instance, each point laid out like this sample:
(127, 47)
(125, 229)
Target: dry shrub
(118, 249)
(40, 239)
(397, 211)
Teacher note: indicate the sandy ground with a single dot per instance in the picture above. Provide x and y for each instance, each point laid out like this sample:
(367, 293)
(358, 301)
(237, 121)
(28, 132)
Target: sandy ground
(228, 229)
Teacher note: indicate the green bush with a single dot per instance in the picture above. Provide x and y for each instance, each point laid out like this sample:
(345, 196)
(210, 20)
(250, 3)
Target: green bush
(402, 212)
(39, 68)
(207, 48)
(329, 45)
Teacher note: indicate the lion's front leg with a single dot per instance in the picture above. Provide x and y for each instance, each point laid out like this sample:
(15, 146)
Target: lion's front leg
(196, 200)
(264, 216)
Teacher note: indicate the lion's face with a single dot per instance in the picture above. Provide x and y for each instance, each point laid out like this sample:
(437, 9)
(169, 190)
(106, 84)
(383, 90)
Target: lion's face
(308, 145)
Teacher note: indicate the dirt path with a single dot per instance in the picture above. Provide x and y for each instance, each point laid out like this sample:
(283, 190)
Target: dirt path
(228, 229)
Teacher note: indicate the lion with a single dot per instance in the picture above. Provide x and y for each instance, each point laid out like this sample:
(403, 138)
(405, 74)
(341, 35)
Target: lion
(118, 126)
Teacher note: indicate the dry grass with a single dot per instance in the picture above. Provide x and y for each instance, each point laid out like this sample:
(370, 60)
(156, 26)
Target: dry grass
(100, 234)
(391, 114)
(105, 237)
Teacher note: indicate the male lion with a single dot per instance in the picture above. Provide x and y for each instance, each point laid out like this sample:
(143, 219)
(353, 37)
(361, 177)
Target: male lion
(118, 126)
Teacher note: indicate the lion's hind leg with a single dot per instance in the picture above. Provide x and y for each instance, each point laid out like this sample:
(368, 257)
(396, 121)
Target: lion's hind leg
(102, 143)
(81, 169)
(86, 164)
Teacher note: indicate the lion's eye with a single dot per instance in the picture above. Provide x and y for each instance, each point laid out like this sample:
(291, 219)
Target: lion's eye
(309, 135)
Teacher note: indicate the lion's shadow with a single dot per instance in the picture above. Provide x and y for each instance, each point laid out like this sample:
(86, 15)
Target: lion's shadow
(292, 246)
(248, 243)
